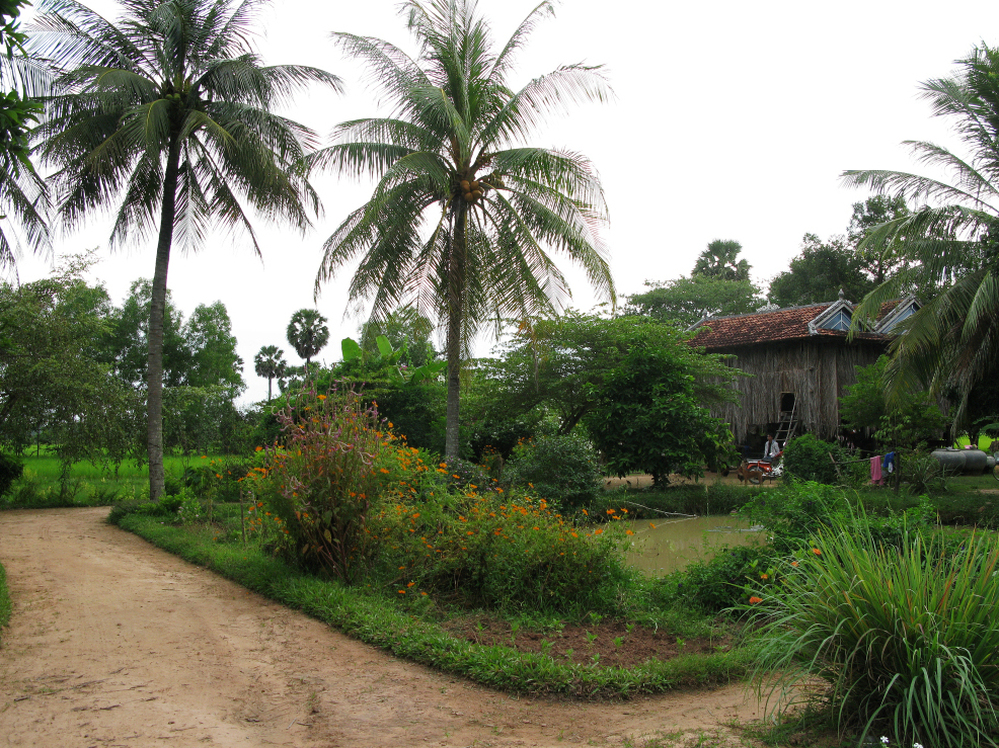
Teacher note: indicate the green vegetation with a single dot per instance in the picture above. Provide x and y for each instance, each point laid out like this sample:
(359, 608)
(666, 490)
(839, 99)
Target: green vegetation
(950, 249)
(903, 632)
(172, 133)
(455, 160)
(6, 605)
(411, 625)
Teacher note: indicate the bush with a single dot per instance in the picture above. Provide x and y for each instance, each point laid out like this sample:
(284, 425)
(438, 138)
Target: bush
(10, 471)
(904, 635)
(719, 583)
(315, 492)
(562, 468)
(807, 458)
(494, 550)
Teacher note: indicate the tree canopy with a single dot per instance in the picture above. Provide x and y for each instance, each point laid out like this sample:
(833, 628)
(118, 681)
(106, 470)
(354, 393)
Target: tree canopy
(465, 222)
(819, 273)
(51, 379)
(952, 342)
(167, 118)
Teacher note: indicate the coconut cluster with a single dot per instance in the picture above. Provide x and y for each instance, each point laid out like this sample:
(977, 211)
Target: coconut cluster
(473, 189)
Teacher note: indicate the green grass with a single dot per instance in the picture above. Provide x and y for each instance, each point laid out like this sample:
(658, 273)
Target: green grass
(88, 485)
(405, 632)
(6, 606)
(904, 634)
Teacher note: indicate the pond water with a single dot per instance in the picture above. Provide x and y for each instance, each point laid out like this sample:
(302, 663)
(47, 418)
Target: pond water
(674, 543)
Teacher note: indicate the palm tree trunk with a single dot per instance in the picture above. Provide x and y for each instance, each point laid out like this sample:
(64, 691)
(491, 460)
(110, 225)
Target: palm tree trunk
(157, 311)
(455, 310)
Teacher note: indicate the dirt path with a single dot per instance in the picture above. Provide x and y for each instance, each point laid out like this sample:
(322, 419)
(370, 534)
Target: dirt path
(116, 643)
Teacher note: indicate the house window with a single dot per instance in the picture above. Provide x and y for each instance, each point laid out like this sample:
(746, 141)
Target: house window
(839, 321)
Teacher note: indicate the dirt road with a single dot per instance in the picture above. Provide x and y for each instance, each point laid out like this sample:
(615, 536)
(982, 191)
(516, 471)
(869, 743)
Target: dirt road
(116, 643)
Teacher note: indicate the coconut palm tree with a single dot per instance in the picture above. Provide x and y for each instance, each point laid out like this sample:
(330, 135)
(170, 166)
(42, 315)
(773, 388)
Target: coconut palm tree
(269, 363)
(464, 220)
(952, 342)
(23, 197)
(308, 334)
(166, 118)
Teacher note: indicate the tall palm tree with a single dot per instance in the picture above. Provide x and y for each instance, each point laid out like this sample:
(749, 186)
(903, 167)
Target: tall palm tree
(166, 117)
(952, 342)
(269, 363)
(23, 197)
(308, 334)
(464, 221)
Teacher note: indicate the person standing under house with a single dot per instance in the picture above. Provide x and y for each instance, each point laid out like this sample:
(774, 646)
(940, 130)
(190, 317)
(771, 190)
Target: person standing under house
(770, 449)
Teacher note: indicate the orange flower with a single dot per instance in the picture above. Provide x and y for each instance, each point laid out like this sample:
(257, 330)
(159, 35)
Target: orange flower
(816, 551)
(652, 526)
(753, 600)
(610, 511)
(764, 576)
(794, 563)
(599, 531)
(628, 532)
(384, 470)
(402, 592)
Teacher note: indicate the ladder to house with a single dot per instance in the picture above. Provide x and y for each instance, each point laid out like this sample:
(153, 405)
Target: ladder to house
(788, 424)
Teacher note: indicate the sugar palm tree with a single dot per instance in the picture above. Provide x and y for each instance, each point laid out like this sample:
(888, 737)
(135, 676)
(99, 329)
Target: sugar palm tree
(464, 221)
(166, 118)
(308, 334)
(269, 363)
(953, 341)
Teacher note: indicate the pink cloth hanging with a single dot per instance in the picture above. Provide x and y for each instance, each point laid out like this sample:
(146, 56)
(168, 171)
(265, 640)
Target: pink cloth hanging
(876, 470)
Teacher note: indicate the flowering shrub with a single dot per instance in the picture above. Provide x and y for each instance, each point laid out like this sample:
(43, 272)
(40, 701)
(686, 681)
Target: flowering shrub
(314, 493)
(489, 549)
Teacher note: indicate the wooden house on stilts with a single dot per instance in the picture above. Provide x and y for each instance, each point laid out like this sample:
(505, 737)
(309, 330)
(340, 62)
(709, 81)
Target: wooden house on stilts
(801, 360)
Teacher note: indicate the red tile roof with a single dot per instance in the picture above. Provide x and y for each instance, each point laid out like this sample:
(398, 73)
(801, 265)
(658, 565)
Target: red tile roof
(766, 327)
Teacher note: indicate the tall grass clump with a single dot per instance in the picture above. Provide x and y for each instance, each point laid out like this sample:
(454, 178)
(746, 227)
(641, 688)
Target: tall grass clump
(312, 495)
(905, 636)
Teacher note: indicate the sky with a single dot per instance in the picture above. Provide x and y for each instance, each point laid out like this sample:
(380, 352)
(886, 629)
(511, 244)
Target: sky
(730, 120)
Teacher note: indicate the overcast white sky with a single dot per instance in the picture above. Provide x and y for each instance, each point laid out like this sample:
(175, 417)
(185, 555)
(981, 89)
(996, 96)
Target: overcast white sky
(732, 120)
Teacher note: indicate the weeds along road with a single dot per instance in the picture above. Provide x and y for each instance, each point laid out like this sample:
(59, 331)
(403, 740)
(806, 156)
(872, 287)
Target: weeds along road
(114, 642)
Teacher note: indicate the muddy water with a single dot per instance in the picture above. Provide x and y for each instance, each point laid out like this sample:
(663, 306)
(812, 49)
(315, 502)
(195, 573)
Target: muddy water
(672, 544)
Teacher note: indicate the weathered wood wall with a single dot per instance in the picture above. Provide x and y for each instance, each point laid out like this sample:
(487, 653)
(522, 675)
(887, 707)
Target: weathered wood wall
(817, 371)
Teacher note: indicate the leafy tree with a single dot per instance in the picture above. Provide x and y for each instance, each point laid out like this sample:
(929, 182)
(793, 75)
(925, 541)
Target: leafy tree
(819, 273)
(167, 116)
(563, 364)
(407, 331)
(883, 262)
(906, 423)
(952, 342)
(308, 334)
(214, 361)
(720, 261)
(686, 301)
(50, 380)
(269, 363)
(464, 221)
(22, 191)
(649, 417)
